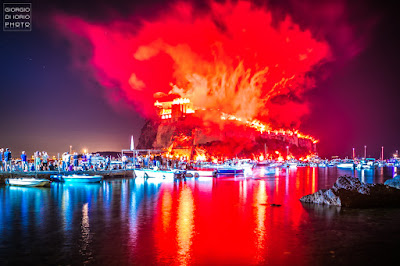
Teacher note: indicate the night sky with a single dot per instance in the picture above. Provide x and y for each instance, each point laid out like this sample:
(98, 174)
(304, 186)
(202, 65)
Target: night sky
(47, 104)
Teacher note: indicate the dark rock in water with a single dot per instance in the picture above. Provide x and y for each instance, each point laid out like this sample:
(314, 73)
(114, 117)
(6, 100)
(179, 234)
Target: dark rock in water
(271, 205)
(394, 182)
(350, 192)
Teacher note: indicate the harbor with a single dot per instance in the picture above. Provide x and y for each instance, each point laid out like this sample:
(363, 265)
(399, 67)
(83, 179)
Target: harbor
(248, 132)
(47, 174)
(124, 221)
(155, 166)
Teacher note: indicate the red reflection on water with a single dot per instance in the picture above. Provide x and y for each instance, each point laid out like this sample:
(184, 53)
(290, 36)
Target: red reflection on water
(185, 224)
(260, 199)
(232, 221)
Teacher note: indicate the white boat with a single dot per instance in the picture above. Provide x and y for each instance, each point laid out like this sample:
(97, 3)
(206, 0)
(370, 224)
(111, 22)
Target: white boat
(81, 178)
(151, 173)
(346, 164)
(200, 173)
(28, 182)
(290, 163)
(368, 163)
(139, 173)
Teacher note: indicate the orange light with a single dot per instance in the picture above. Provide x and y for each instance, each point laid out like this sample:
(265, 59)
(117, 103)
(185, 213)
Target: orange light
(180, 101)
(200, 157)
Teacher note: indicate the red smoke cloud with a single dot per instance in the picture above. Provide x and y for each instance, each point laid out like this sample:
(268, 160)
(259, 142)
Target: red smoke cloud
(234, 58)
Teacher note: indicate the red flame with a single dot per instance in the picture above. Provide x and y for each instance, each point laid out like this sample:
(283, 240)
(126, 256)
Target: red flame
(233, 59)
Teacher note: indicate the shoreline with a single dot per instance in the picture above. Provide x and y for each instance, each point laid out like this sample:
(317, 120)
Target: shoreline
(47, 174)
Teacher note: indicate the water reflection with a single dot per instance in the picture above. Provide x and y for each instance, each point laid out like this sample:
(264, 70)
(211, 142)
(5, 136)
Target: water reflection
(229, 220)
(185, 224)
(85, 230)
(261, 200)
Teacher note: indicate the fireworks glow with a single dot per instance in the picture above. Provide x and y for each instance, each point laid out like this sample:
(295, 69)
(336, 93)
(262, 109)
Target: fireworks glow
(235, 59)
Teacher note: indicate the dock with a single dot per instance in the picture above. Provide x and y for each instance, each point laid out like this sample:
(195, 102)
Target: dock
(46, 174)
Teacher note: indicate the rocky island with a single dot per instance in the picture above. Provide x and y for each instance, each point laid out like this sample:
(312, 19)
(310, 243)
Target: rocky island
(351, 192)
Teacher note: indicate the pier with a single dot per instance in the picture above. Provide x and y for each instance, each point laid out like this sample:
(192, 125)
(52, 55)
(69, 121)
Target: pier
(119, 173)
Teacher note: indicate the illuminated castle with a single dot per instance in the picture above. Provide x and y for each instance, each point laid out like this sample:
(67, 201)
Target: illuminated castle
(174, 110)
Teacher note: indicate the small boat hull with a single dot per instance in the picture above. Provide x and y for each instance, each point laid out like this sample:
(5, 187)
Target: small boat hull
(28, 182)
(229, 171)
(56, 178)
(346, 165)
(148, 173)
(201, 173)
(193, 173)
(139, 173)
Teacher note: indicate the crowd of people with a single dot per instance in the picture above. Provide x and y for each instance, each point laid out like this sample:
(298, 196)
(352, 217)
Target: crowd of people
(162, 162)
(40, 161)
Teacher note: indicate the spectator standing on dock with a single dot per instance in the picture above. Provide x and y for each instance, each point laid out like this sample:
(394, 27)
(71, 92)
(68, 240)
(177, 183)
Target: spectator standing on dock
(24, 162)
(45, 158)
(1, 159)
(7, 159)
(89, 160)
(108, 163)
(69, 158)
(37, 161)
(64, 159)
(124, 161)
(75, 161)
(52, 166)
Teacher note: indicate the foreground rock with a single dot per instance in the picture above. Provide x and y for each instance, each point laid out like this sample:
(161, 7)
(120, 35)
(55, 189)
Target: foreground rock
(394, 182)
(350, 192)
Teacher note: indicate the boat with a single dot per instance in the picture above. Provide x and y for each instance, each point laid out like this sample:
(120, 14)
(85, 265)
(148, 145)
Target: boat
(381, 163)
(346, 164)
(200, 173)
(196, 173)
(56, 178)
(368, 163)
(229, 171)
(28, 182)
(138, 173)
(153, 173)
(81, 178)
(333, 162)
(290, 163)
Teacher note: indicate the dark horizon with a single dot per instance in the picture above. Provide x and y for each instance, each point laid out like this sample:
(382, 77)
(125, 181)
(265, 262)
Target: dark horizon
(47, 104)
